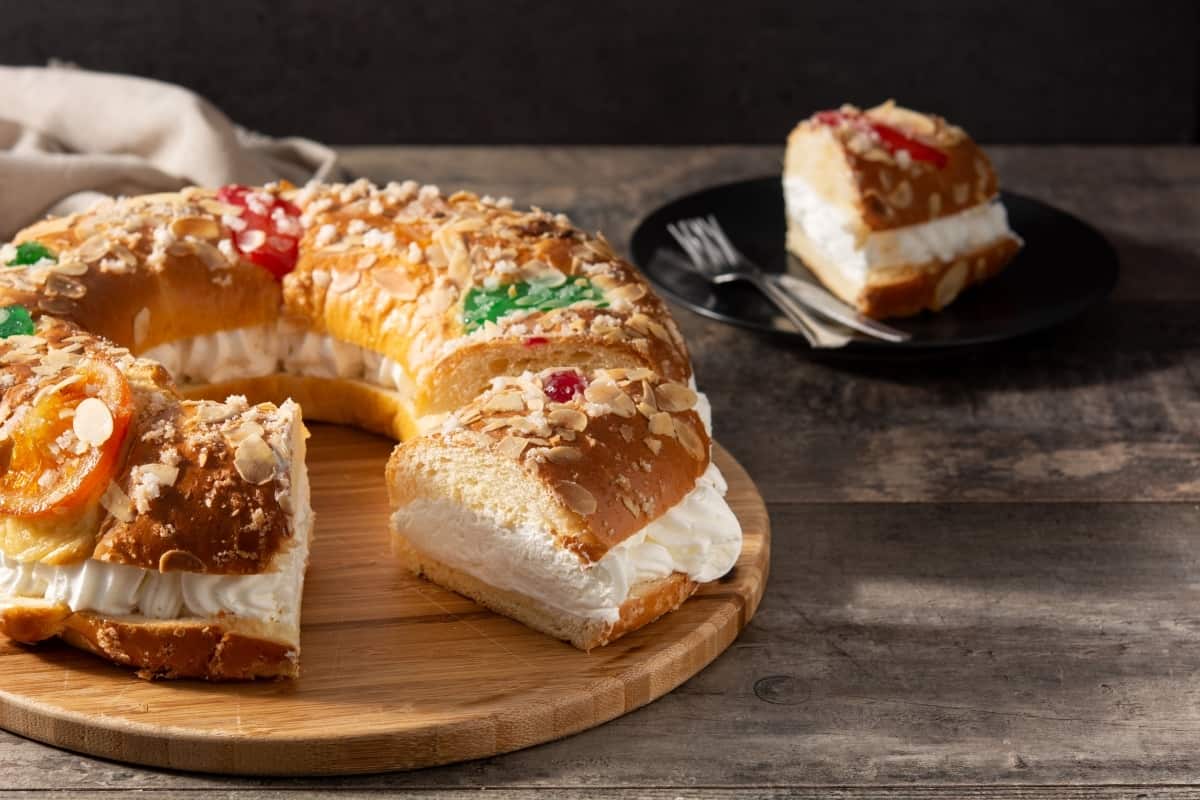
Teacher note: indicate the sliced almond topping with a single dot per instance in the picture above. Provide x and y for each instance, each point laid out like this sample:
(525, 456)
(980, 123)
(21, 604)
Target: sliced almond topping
(212, 256)
(622, 405)
(65, 285)
(94, 248)
(629, 293)
(366, 261)
(512, 446)
(397, 283)
(116, 502)
(199, 227)
(72, 268)
(602, 392)
(646, 409)
(655, 445)
(505, 401)
(577, 498)
(344, 281)
(254, 460)
(689, 439)
(675, 397)
(181, 561)
(164, 474)
(564, 454)
(630, 505)
(662, 424)
(93, 421)
(568, 418)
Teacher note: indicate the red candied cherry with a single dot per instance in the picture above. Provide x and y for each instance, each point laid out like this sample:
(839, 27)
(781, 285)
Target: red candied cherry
(561, 386)
(534, 341)
(271, 229)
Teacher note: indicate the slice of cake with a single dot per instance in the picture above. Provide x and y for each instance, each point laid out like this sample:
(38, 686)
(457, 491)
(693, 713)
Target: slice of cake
(583, 504)
(895, 211)
(160, 533)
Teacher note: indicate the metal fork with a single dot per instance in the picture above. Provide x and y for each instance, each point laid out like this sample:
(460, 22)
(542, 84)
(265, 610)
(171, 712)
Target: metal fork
(714, 256)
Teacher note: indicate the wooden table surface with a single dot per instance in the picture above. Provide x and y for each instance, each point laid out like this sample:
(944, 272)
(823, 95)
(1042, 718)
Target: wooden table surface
(986, 571)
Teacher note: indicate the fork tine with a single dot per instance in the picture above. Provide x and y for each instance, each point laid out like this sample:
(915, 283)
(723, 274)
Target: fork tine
(717, 234)
(690, 244)
(712, 244)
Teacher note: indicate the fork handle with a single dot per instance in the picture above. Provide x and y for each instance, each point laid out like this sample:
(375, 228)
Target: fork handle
(817, 334)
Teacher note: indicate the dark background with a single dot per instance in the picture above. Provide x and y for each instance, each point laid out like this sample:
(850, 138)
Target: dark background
(520, 71)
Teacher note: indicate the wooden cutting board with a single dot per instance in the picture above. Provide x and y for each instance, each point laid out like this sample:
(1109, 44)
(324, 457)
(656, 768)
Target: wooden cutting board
(396, 673)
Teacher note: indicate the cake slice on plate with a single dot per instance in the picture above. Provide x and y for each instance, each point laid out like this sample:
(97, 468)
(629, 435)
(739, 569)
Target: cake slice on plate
(895, 211)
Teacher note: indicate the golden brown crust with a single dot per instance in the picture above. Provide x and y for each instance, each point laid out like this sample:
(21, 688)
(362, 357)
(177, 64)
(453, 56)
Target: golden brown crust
(145, 270)
(389, 269)
(894, 190)
(184, 648)
(911, 289)
(647, 601)
(614, 458)
(210, 518)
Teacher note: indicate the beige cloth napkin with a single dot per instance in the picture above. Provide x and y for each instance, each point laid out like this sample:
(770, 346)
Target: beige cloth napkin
(69, 137)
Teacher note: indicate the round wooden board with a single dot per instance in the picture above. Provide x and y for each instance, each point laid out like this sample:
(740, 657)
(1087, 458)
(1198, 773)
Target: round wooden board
(396, 672)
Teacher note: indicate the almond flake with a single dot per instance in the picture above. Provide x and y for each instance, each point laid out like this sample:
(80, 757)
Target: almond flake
(254, 460)
(563, 454)
(199, 227)
(506, 401)
(568, 418)
(577, 498)
(512, 446)
(397, 283)
(631, 505)
(675, 397)
(344, 281)
(164, 474)
(690, 439)
(93, 421)
(655, 445)
(622, 405)
(662, 424)
(116, 502)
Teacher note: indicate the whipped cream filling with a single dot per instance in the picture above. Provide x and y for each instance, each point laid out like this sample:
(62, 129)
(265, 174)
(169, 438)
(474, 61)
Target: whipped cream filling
(121, 590)
(254, 351)
(831, 228)
(699, 536)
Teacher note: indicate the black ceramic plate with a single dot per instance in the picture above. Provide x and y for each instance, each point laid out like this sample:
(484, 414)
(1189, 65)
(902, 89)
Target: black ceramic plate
(1064, 267)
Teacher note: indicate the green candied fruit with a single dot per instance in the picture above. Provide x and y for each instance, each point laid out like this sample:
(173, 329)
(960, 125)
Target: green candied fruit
(31, 253)
(15, 321)
(483, 305)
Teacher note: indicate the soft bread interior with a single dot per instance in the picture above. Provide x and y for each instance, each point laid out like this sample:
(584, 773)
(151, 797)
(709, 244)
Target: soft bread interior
(477, 480)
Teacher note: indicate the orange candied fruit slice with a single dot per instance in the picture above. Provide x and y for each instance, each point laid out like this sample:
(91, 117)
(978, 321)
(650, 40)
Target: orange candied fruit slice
(60, 452)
